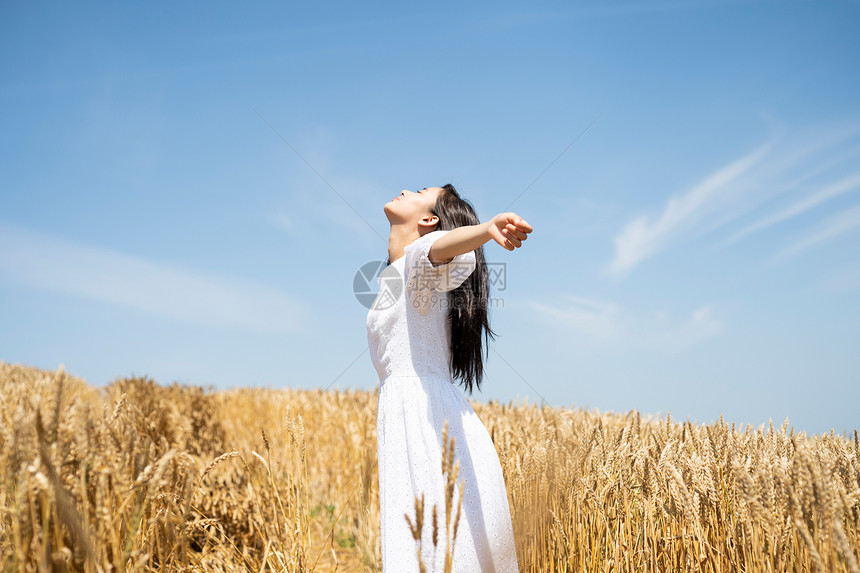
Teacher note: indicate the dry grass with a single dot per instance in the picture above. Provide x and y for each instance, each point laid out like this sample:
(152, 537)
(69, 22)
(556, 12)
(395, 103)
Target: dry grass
(140, 477)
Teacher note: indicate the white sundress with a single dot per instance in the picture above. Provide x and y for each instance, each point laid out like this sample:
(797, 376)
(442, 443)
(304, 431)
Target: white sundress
(408, 339)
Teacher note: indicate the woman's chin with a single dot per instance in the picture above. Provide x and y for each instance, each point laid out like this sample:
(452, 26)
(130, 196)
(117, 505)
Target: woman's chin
(388, 209)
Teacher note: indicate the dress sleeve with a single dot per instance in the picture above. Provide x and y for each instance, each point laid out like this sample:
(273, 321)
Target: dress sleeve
(422, 276)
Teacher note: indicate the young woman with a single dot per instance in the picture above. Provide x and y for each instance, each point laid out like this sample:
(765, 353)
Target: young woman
(428, 336)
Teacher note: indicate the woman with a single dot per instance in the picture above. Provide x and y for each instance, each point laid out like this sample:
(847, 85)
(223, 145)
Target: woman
(428, 336)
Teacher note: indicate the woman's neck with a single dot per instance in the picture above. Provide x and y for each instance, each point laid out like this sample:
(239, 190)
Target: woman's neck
(398, 238)
(402, 235)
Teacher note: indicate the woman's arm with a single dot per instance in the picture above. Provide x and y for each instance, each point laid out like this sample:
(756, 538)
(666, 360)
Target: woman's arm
(507, 229)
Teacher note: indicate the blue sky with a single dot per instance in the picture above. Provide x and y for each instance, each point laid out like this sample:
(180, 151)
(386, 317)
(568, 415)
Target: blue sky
(695, 248)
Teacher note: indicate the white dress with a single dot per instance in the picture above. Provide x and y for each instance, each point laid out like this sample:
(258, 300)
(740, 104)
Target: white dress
(409, 345)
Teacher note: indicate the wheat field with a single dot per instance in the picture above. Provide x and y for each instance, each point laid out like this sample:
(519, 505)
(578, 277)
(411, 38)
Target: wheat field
(142, 477)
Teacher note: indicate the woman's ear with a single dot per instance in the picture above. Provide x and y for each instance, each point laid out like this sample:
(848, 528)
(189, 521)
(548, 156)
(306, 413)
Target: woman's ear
(429, 221)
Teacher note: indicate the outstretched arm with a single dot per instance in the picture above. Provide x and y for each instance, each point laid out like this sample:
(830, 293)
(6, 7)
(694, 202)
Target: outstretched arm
(507, 229)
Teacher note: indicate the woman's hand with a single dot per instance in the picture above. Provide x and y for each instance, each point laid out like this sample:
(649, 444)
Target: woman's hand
(509, 230)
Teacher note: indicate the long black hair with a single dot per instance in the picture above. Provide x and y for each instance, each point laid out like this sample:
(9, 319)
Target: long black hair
(467, 311)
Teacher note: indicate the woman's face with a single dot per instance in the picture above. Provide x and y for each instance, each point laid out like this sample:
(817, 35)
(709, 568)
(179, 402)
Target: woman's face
(411, 206)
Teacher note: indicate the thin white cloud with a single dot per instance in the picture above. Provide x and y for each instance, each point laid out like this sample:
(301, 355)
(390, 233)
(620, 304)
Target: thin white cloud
(803, 159)
(827, 192)
(843, 279)
(825, 231)
(590, 317)
(309, 207)
(822, 158)
(604, 323)
(284, 222)
(643, 238)
(633, 8)
(701, 325)
(100, 274)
